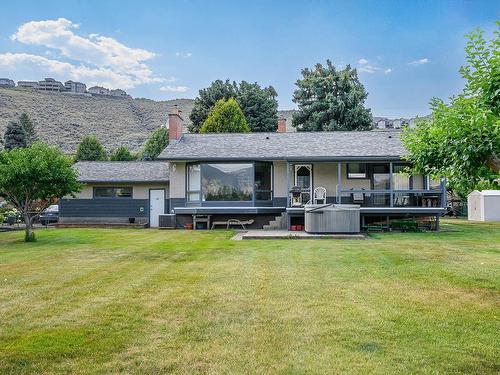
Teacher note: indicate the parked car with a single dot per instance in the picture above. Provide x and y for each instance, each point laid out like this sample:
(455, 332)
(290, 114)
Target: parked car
(50, 215)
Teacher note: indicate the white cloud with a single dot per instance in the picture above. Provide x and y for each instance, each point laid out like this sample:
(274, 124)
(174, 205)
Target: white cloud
(174, 88)
(364, 66)
(94, 55)
(183, 55)
(419, 62)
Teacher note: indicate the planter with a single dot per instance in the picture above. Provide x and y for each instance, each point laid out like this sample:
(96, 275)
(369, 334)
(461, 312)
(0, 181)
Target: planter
(131, 220)
(188, 226)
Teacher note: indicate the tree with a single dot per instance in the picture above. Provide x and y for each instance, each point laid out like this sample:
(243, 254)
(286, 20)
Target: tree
(461, 141)
(225, 117)
(259, 105)
(15, 136)
(29, 129)
(90, 149)
(330, 99)
(33, 178)
(155, 144)
(121, 154)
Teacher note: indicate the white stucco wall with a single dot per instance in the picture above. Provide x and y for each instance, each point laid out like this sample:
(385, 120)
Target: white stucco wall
(279, 179)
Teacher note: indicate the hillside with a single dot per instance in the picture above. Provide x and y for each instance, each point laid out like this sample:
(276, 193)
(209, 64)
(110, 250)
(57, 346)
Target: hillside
(62, 119)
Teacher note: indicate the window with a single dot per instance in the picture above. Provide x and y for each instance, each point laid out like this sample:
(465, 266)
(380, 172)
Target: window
(433, 183)
(356, 170)
(113, 192)
(400, 180)
(194, 181)
(263, 182)
(381, 177)
(227, 182)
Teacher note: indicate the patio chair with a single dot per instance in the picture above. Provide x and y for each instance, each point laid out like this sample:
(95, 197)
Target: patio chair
(319, 195)
(230, 222)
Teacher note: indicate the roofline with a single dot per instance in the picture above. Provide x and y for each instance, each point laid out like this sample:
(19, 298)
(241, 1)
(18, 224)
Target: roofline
(299, 158)
(121, 181)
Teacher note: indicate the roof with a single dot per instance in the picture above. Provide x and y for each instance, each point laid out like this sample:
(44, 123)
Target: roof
(122, 171)
(287, 146)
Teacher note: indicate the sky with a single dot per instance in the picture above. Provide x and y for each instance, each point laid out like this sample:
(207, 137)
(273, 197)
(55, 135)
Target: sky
(406, 52)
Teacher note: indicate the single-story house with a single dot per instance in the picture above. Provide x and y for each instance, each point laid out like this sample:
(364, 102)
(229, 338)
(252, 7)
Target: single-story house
(484, 205)
(115, 192)
(270, 177)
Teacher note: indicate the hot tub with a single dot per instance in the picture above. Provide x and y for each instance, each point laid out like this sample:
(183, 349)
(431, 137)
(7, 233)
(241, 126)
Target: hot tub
(332, 218)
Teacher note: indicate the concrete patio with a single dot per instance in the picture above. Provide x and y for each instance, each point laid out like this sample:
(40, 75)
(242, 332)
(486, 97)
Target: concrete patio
(284, 234)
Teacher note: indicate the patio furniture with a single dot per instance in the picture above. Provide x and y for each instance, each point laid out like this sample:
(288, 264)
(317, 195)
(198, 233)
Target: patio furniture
(230, 222)
(319, 195)
(358, 197)
(201, 219)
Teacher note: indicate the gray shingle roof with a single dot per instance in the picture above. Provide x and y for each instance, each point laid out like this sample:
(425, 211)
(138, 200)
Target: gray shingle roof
(122, 171)
(286, 146)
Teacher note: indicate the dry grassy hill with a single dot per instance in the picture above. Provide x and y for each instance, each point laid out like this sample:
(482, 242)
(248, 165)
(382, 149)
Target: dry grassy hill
(62, 119)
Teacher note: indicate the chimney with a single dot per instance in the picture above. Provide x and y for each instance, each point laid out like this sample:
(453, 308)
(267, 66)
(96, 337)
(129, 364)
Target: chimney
(281, 125)
(174, 124)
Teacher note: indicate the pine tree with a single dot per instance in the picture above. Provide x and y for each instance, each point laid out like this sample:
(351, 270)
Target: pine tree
(15, 136)
(225, 117)
(121, 154)
(90, 149)
(330, 99)
(29, 129)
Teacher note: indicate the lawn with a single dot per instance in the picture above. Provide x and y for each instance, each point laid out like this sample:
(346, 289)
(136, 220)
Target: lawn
(86, 301)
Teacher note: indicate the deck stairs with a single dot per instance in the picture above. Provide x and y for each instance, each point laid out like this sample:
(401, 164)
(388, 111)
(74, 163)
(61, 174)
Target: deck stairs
(279, 223)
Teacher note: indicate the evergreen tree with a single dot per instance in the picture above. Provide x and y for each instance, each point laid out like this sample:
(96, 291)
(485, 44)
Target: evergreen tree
(330, 99)
(155, 144)
(225, 117)
(90, 149)
(29, 129)
(15, 136)
(259, 105)
(121, 154)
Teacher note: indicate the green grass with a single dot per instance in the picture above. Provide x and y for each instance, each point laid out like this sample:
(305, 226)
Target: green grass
(87, 301)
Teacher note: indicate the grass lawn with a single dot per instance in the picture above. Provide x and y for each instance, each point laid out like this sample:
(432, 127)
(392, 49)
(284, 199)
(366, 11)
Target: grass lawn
(86, 301)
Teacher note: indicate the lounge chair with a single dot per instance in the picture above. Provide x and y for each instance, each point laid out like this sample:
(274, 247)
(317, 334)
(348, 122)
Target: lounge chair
(230, 222)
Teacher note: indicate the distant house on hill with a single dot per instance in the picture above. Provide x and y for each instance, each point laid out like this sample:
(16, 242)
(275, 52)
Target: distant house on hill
(27, 85)
(50, 84)
(75, 87)
(7, 83)
(118, 92)
(98, 90)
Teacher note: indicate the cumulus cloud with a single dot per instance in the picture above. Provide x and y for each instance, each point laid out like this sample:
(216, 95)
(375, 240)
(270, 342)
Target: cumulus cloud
(96, 58)
(419, 62)
(174, 88)
(364, 66)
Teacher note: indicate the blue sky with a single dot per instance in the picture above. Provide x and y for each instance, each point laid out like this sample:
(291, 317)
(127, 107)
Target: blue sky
(406, 51)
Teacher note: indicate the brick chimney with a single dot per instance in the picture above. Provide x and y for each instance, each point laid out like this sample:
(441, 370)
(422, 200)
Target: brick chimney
(174, 124)
(281, 125)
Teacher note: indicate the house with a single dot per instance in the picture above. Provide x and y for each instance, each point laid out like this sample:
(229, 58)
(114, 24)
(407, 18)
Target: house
(264, 176)
(7, 83)
(114, 192)
(118, 92)
(484, 205)
(50, 84)
(28, 85)
(98, 90)
(75, 87)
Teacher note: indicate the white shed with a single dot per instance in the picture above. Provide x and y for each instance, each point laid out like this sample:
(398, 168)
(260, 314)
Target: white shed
(484, 205)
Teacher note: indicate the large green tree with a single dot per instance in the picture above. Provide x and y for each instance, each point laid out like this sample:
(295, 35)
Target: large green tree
(461, 141)
(330, 99)
(155, 144)
(33, 178)
(225, 117)
(90, 149)
(29, 129)
(122, 154)
(15, 136)
(259, 105)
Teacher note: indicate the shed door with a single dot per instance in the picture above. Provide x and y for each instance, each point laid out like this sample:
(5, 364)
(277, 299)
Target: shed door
(156, 206)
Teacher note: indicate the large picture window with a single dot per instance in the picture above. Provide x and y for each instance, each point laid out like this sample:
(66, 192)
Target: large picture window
(229, 182)
(113, 192)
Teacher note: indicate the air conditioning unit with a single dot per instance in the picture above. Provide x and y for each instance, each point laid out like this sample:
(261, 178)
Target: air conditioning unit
(167, 221)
